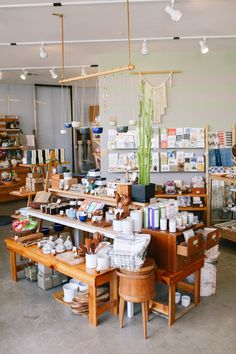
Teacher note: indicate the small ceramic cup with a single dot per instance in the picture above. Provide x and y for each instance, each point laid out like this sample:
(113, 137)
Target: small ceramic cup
(185, 301)
(177, 297)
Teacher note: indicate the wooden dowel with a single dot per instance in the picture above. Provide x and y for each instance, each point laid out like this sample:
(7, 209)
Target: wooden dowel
(161, 72)
(100, 73)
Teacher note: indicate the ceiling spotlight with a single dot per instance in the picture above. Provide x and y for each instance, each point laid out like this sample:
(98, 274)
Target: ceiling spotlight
(23, 75)
(42, 52)
(83, 72)
(1, 74)
(144, 49)
(53, 73)
(203, 47)
(174, 14)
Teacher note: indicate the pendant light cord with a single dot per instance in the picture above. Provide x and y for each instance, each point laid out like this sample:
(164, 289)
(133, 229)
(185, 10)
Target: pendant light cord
(129, 32)
(62, 45)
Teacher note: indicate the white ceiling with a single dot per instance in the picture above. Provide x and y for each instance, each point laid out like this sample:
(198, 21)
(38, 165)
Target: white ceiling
(106, 21)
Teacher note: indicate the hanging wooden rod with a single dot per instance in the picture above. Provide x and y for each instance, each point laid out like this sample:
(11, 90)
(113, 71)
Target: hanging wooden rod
(156, 72)
(100, 73)
(129, 67)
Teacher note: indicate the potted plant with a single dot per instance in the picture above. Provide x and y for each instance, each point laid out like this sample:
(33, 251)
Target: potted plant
(144, 190)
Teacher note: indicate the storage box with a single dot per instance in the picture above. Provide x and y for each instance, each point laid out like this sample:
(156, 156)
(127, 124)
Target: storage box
(34, 175)
(198, 191)
(44, 281)
(44, 270)
(56, 184)
(36, 187)
(69, 182)
(57, 177)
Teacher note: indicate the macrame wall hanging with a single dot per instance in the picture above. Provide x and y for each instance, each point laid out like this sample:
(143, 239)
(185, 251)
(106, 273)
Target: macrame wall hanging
(157, 95)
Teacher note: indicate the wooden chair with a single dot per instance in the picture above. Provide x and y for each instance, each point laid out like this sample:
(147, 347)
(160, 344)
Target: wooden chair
(138, 287)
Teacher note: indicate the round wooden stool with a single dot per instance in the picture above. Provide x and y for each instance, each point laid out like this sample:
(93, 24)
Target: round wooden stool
(138, 287)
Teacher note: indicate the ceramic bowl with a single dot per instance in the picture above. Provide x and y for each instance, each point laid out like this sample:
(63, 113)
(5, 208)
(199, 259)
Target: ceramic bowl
(97, 130)
(122, 128)
(71, 213)
(83, 286)
(58, 227)
(45, 231)
(132, 122)
(83, 217)
(76, 124)
(68, 125)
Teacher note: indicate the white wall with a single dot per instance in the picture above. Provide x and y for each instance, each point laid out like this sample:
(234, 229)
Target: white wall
(21, 103)
(204, 93)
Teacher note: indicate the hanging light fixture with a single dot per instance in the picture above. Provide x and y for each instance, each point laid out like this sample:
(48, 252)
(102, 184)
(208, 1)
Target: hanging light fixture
(42, 52)
(129, 66)
(24, 74)
(83, 72)
(1, 74)
(174, 14)
(144, 50)
(53, 73)
(203, 47)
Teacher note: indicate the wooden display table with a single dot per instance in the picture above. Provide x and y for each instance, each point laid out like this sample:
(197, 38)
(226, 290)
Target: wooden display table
(91, 277)
(175, 280)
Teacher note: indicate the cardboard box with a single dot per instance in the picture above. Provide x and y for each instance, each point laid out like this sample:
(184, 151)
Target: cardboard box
(34, 175)
(57, 177)
(69, 182)
(36, 187)
(56, 184)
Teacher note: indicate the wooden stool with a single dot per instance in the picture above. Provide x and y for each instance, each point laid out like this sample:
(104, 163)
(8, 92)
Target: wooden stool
(138, 287)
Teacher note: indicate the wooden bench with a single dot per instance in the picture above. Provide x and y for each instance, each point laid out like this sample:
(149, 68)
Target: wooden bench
(175, 280)
(91, 277)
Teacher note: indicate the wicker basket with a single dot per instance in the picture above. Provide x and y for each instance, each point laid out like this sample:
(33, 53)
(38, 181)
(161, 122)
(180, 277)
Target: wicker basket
(25, 233)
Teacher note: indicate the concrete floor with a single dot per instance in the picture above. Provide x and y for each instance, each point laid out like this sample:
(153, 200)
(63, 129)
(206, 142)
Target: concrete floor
(32, 322)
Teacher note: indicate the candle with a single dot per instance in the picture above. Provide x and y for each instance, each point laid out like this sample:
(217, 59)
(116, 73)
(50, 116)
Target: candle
(172, 225)
(163, 224)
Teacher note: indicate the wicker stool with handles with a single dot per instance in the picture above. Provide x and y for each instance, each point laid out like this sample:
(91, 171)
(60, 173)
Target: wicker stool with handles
(138, 287)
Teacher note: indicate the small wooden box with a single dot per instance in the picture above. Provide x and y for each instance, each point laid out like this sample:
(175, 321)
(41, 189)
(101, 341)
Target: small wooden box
(124, 189)
(198, 191)
(69, 182)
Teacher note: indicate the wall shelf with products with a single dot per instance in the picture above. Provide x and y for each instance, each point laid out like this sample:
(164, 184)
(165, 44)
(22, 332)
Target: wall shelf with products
(167, 144)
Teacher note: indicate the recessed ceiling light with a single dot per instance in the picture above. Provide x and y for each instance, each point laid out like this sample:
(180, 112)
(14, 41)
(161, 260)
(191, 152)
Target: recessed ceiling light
(23, 75)
(42, 52)
(53, 73)
(203, 47)
(144, 49)
(174, 14)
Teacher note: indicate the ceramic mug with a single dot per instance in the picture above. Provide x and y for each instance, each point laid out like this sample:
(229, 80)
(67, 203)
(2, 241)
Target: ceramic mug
(103, 262)
(117, 225)
(177, 297)
(127, 226)
(70, 290)
(185, 301)
(91, 260)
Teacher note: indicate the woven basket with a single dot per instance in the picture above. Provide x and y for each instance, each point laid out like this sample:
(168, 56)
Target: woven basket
(25, 233)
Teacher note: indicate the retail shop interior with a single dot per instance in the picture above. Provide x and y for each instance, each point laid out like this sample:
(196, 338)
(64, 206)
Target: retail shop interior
(117, 176)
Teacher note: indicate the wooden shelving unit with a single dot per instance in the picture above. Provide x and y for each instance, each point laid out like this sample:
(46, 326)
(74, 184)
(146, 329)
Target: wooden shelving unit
(11, 133)
(192, 208)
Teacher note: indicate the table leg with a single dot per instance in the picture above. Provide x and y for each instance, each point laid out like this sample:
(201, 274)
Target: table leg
(29, 200)
(92, 303)
(171, 306)
(114, 293)
(197, 285)
(13, 265)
